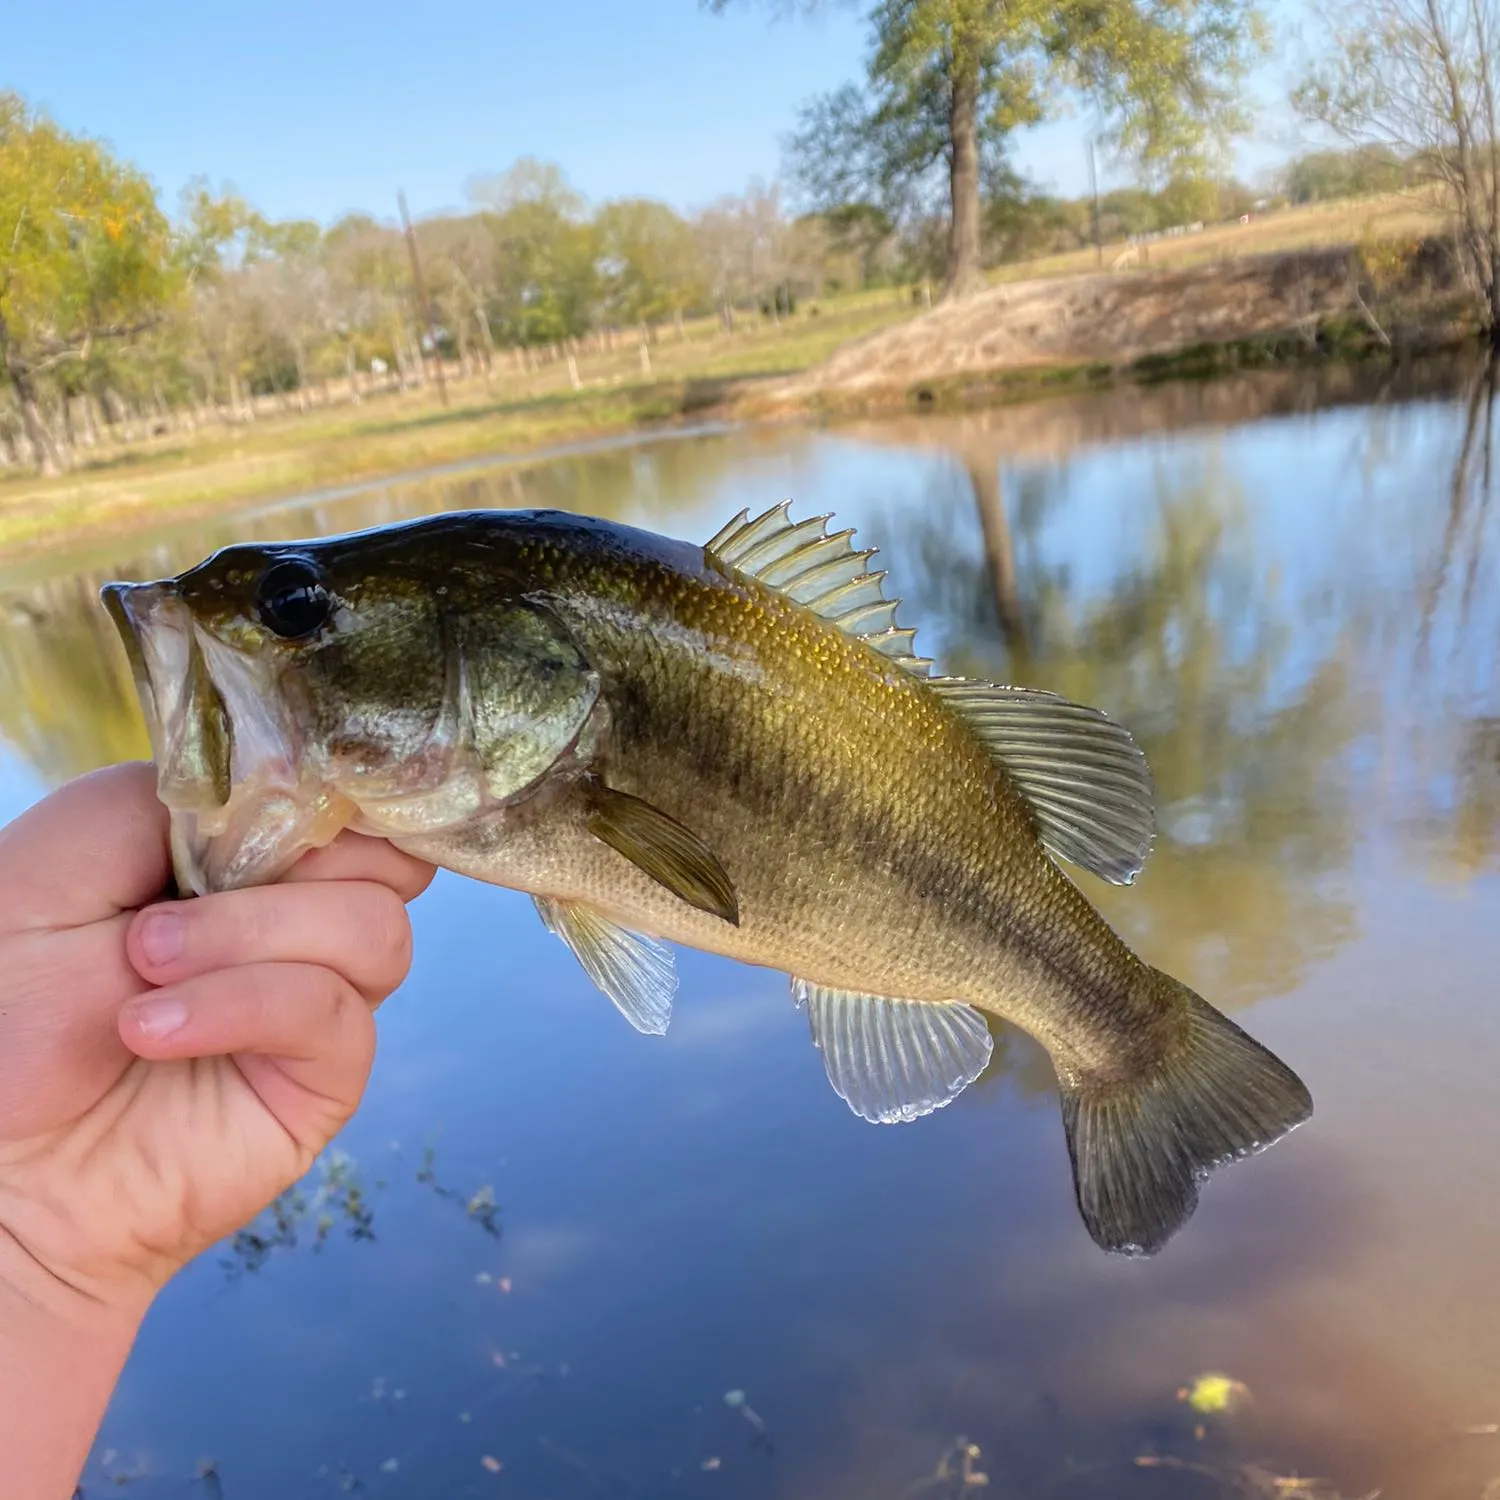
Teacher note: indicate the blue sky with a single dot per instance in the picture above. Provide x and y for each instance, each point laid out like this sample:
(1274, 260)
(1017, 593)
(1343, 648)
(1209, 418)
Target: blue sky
(311, 109)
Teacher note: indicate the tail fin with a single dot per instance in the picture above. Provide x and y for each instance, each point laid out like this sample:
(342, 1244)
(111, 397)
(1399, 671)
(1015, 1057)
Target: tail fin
(1140, 1147)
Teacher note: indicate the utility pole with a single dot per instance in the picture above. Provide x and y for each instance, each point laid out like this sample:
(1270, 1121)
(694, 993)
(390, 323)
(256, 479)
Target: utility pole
(1094, 191)
(426, 306)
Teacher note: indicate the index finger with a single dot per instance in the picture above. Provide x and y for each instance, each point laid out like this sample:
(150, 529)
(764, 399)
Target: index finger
(358, 856)
(92, 849)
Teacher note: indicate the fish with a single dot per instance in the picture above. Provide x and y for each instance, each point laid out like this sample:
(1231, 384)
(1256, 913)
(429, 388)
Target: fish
(733, 747)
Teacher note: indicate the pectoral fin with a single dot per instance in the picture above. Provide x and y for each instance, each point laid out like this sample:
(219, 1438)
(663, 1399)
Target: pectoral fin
(635, 972)
(894, 1060)
(670, 854)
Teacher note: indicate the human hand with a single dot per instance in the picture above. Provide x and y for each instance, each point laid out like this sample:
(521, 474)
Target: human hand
(167, 1069)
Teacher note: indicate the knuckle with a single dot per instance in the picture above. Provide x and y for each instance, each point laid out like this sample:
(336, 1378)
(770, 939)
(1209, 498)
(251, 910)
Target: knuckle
(234, 924)
(389, 934)
(330, 991)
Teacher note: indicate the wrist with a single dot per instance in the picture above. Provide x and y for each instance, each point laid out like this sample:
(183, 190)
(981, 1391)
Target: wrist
(61, 1354)
(35, 1299)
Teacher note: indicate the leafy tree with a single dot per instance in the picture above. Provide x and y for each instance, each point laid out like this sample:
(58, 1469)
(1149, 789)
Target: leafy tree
(1188, 199)
(866, 233)
(85, 256)
(1422, 78)
(649, 261)
(947, 81)
(546, 252)
(1343, 174)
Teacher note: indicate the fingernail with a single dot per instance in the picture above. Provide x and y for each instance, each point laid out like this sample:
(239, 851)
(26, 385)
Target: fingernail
(161, 936)
(158, 1018)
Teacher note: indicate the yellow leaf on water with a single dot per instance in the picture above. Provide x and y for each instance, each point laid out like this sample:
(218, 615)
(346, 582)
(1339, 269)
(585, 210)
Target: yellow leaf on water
(1214, 1393)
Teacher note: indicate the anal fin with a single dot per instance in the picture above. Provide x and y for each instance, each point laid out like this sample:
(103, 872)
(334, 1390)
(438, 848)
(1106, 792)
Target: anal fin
(636, 972)
(894, 1060)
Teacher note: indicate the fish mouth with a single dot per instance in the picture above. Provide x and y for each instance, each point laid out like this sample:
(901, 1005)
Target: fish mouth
(243, 805)
(130, 605)
(186, 717)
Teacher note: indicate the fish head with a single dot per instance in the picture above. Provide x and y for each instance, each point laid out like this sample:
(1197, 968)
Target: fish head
(274, 684)
(293, 689)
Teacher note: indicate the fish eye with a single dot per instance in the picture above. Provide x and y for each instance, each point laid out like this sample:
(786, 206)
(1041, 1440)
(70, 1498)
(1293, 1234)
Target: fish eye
(291, 598)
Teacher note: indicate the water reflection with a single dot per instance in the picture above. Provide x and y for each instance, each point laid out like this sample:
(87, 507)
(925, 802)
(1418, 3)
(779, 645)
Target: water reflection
(1286, 587)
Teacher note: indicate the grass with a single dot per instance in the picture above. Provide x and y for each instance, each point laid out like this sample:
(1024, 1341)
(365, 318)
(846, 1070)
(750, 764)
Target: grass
(704, 370)
(1346, 221)
(289, 452)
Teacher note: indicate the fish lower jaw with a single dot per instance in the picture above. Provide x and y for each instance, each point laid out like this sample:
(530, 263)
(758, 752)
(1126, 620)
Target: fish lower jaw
(256, 839)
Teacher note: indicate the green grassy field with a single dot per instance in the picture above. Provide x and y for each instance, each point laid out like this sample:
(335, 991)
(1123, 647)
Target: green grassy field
(285, 453)
(700, 370)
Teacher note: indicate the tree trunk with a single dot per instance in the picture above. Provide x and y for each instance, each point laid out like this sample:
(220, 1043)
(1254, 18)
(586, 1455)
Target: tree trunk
(984, 476)
(43, 451)
(44, 455)
(963, 185)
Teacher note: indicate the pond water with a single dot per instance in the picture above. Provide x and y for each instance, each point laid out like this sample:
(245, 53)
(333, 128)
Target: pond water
(550, 1244)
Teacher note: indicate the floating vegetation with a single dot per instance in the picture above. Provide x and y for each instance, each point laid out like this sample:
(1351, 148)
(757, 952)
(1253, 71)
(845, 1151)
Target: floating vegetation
(957, 1472)
(1212, 1394)
(338, 1195)
(480, 1206)
(333, 1193)
(760, 1438)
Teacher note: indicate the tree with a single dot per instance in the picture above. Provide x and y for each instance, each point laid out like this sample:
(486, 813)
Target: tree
(649, 261)
(546, 252)
(743, 244)
(85, 256)
(948, 81)
(1343, 174)
(1419, 76)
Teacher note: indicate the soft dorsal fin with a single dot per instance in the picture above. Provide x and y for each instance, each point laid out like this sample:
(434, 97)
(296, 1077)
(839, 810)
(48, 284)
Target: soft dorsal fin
(636, 972)
(1083, 776)
(822, 570)
(894, 1060)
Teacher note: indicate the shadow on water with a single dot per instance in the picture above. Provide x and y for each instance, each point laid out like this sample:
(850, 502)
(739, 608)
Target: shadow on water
(685, 1270)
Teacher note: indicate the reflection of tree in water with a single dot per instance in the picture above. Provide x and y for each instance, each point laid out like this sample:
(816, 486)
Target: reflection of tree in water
(1206, 664)
(1463, 838)
(1457, 751)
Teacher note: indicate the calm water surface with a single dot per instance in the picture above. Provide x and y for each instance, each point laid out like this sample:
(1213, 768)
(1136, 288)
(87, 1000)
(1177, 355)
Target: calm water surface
(550, 1243)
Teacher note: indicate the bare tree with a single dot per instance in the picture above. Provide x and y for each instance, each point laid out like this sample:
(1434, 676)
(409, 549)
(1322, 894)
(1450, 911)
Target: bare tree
(1419, 76)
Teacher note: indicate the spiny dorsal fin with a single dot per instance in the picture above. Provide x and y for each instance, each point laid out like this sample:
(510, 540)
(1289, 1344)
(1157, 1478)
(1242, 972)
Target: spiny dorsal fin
(636, 972)
(822, 570)
(1083, 776)
(894, 1060)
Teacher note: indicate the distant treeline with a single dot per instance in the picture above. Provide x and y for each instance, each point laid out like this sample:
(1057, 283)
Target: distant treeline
(111, 311)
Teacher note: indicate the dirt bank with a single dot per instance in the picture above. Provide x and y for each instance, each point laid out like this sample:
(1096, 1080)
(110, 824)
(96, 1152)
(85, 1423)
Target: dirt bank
(1095, 325)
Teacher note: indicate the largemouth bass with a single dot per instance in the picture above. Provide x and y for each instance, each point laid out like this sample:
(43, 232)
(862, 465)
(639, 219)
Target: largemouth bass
(733, 747)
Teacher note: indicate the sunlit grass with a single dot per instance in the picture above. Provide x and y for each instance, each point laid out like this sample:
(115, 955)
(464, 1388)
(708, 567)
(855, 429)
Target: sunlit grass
(1346, 221)
(286, 453)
